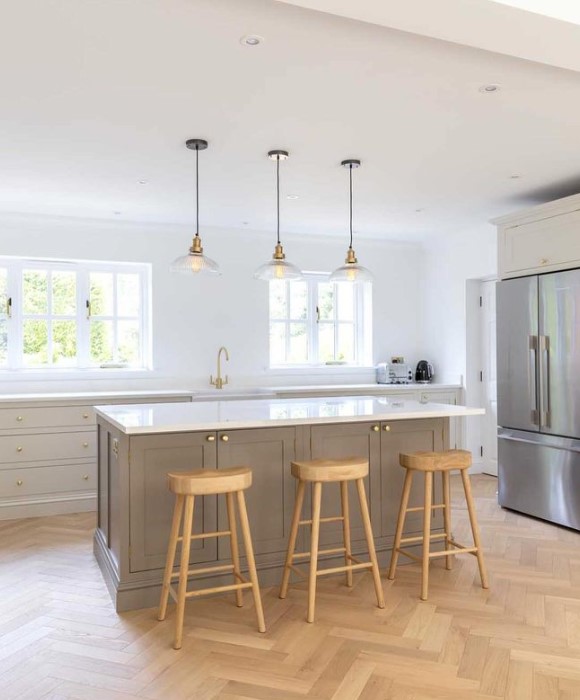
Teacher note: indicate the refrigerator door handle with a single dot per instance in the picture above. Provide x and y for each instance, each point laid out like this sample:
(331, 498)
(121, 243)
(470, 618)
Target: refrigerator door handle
(532, 368)
(545, 381)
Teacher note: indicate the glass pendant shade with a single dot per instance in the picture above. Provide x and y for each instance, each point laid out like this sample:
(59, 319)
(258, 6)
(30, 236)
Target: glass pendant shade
(351, 271)
(278, 268)
(195, 262)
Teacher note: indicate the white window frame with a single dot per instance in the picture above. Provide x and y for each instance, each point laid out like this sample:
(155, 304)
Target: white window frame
(83, 268)
(362, 326)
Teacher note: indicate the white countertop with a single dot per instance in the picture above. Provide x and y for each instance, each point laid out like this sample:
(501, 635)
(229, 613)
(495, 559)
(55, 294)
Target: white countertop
(142, 419)
(371, 388)
(91, 396)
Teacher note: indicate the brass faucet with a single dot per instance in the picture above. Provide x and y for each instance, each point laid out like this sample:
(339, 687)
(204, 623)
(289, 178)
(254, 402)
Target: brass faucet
(220, 382)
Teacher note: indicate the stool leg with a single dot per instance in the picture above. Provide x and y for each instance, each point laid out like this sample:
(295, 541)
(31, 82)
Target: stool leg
(447, 517)
(346, 530)
(245, 524)
(177, 513)
(292, 539)
(426, 534)
(364, 509)
(474, 527)
(314, 534)
(183, 569)
(400, 522)
(234, 546)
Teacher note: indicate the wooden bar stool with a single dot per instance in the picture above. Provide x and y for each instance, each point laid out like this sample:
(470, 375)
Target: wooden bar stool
(186, 486)
(429, 463)
(317, 472)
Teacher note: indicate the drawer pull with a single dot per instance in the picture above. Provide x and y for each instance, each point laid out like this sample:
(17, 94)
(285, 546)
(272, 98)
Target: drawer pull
(19, 482)
(19, 419)
(86, 477)
(85, 415)
(387, 428)
(225, 438)
(544, 261)
(210, 438)
(375, 428)
(85, 444)
(19, 449)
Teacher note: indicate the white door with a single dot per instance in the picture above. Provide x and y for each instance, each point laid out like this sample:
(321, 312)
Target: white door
(488, 376)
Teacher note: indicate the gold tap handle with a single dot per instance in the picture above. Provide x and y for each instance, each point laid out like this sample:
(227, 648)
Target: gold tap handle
(211, 380)
(226, 380)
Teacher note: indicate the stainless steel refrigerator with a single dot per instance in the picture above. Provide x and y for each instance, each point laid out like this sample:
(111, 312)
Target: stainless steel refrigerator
(538, 371)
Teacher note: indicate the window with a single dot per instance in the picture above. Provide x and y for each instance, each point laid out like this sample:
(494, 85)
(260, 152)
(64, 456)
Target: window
(316, 322)
(73, 315)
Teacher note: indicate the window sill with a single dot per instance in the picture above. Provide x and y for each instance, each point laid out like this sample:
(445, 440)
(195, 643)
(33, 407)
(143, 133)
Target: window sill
(18, 375)
(320, 369)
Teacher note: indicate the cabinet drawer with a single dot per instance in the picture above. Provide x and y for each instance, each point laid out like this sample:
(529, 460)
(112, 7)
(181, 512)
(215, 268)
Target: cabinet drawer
(33, 448)
(46, 417)
(34, 481)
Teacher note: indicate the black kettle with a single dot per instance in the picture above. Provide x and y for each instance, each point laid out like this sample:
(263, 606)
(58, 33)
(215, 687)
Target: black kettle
(424, 372)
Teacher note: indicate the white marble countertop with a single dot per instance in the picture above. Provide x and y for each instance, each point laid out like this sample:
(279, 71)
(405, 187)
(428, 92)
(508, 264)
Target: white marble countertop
(142, 419)
(372, 388)
(91, 396)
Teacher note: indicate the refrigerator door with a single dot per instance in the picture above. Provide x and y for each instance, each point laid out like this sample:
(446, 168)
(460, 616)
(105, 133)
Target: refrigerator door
(540, 475)
(559, 353)
(517, 353)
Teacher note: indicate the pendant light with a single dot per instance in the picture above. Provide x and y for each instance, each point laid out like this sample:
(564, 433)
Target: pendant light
(278, 268)
(351, 271)
(195, 261)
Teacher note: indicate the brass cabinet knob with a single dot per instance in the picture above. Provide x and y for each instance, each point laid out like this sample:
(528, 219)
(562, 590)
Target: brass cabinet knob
(387, 428)
(85, 415)
(375, 428)
(19, 419)
(19, 482)
(210, 438)
(86, 477)
(85, 444)
(19, 449)
(225, 438)
(544, 261)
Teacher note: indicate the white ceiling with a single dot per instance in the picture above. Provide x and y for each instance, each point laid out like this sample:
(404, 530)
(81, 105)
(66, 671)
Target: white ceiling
(98, 95)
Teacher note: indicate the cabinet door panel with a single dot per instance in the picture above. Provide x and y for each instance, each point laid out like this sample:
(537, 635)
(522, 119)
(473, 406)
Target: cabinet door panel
(340, 441)
(406, 436)
(270, 500)
(152, 503)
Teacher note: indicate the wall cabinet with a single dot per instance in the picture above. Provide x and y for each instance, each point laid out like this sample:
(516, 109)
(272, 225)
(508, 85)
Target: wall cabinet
(540, 239)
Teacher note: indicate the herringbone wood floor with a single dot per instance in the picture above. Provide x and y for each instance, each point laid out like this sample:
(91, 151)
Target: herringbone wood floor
(60, 637)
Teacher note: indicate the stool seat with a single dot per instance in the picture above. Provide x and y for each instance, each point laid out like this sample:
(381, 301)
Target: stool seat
(329, 470)
(204, 482)
(436, 461)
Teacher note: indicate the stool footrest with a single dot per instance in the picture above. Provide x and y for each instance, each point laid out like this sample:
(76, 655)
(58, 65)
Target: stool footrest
(206, 570)
(419, 538)
(346, 567)
(416, 509)
(404, 552)
(330, 519)
(203, 535)
(334, 550)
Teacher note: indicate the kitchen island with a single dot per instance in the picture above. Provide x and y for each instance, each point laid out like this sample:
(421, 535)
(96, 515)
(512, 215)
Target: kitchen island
(139, 444)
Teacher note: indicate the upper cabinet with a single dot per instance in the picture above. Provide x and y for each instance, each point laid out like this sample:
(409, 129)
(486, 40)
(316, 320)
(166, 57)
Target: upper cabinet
(542, 239)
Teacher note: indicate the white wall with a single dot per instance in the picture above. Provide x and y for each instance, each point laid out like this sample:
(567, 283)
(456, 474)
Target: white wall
(450, 264)
(193, 316)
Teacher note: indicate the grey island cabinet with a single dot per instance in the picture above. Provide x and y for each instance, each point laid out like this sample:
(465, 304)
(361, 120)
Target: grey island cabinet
(139, 444)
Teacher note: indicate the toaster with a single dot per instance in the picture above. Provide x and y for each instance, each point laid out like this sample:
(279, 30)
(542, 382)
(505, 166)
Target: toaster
(394, 373)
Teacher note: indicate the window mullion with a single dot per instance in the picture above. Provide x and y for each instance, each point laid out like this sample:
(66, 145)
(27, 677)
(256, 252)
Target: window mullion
(313, 355)
(83, 317)
(15, 335)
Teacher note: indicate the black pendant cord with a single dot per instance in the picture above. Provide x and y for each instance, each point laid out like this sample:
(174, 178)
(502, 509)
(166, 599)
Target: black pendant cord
(197, 191)
(350, 178)
(278, 199)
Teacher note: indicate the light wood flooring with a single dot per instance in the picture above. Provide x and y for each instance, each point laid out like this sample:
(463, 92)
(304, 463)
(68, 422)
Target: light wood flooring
(60, 637)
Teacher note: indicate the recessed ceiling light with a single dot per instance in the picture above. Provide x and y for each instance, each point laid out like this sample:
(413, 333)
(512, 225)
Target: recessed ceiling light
(245, 223)
(251, 40)
(515, 177)
(492, 87)
(419, 210)
(142, 182)
(117, 213)
(292, 196)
